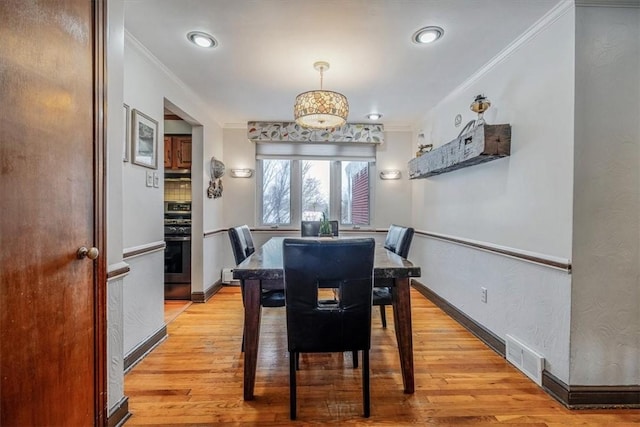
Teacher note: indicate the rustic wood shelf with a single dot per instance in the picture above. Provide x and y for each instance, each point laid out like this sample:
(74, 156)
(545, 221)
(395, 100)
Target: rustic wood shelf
(480, 145)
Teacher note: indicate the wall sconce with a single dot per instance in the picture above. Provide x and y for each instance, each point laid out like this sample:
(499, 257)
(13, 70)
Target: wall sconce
(390, 174)
(242, 173)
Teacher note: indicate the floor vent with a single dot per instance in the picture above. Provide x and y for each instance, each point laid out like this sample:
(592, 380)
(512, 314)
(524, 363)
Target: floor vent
(525, 359)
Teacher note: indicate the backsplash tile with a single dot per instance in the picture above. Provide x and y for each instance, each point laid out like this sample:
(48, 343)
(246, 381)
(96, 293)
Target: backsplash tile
(177, 191)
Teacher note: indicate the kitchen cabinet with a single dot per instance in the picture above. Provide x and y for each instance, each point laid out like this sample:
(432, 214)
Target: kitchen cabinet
(177, 151)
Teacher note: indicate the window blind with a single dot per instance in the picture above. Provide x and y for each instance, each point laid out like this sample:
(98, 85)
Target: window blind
(318, 151)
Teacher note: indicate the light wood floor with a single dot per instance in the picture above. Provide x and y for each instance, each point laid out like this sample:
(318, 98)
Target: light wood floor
(173, 308)
(195, 378)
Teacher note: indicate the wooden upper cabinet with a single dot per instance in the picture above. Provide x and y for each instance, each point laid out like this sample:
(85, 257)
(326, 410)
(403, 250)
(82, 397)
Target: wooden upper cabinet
(168, 152)
(177, 152)
(182, 151)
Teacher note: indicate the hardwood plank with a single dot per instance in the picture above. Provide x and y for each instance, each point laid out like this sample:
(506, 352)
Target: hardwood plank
(196, 377)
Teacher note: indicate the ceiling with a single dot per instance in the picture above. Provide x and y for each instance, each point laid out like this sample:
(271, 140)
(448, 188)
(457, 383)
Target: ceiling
(267, 49)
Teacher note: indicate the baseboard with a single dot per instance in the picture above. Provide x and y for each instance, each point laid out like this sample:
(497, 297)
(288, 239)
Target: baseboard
(137, 354)
(574, 397)
(208, 293)
(581, 397)
(486, 336)
(120, 414)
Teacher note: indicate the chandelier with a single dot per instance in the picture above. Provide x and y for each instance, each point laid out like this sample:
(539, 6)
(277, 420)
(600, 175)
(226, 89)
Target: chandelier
(321, 109)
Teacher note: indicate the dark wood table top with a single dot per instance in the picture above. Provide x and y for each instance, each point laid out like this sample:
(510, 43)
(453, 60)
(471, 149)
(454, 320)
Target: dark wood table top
(266, 263)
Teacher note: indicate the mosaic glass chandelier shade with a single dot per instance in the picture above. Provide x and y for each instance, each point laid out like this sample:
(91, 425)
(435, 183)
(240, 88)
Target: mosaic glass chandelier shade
(321, 109)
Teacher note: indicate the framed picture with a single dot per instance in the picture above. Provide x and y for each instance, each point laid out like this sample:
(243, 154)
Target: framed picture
(126, 140)
(144, 140)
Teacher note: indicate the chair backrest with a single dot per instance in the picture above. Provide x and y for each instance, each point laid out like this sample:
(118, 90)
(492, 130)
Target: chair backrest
(343, 264)
(399, 240)
(312, 228)
(241, 242)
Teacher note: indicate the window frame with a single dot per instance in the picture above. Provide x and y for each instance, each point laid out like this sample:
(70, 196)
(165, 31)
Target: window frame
(295, 180)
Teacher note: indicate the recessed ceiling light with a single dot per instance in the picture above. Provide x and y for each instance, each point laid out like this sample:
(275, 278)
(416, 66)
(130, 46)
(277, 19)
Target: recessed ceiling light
(201, 39)
(374, 116)
(427, 35)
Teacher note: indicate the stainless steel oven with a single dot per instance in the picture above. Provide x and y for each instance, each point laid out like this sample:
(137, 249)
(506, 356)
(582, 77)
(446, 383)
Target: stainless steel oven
(177, 255)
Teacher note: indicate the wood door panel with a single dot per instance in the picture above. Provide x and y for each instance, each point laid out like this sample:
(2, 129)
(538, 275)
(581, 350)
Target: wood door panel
(47, 295)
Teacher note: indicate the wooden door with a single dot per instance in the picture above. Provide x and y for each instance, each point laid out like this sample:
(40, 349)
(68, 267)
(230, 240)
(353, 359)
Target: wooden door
(52, 309)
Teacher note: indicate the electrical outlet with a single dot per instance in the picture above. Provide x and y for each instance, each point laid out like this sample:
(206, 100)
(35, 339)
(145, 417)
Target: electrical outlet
(156, 180)
(483, 295)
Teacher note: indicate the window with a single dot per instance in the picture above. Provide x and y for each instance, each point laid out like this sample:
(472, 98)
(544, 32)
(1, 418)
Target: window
(355, 193)
(292, 190)
(316, 194)
(276, 192)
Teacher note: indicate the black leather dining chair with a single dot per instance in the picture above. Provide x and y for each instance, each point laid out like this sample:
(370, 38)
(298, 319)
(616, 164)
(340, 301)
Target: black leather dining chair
(312, 228)
(241, 242)
(242, 245)
(398, 240)
(312, 327)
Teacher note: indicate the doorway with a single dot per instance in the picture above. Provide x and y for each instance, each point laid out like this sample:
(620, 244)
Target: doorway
(177, 208)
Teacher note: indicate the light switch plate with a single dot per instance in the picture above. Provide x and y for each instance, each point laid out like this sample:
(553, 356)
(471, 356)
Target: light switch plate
(156, 180)
(149, 179)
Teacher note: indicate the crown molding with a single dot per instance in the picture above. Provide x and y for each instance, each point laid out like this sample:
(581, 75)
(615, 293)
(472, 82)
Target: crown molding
(549, 18)
(608, 3)
(202, 106)
(135, 43)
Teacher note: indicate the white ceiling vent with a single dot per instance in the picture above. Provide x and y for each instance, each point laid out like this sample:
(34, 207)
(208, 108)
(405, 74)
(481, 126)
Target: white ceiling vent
(525, 359)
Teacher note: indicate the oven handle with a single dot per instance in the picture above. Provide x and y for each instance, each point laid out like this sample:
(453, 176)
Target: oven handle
(177, 238)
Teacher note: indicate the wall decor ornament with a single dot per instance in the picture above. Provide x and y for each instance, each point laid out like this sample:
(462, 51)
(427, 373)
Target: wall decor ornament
(144, 142)
(479, 105)
(216, 171)
(481, 144)
(423, 147)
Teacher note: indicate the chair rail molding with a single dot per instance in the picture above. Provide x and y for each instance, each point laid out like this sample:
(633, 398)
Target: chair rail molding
(533, 257)
(143, 249)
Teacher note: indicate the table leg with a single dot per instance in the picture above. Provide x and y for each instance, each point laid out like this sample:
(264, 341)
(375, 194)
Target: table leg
(404, 333)
(252, 309)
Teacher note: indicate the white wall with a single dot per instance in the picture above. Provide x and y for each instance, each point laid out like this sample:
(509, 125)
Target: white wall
(239, 152)
(149, 87)
(605, 318)
(143, 299)
(392, 199)
(522, 202)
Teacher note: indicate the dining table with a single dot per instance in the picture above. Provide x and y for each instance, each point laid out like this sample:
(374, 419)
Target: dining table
(264, 269)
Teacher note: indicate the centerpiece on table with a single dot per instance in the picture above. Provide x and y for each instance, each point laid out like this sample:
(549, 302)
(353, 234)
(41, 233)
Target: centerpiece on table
(325, 227)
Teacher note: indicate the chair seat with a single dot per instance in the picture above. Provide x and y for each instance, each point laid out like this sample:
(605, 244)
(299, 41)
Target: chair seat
(272, 298)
